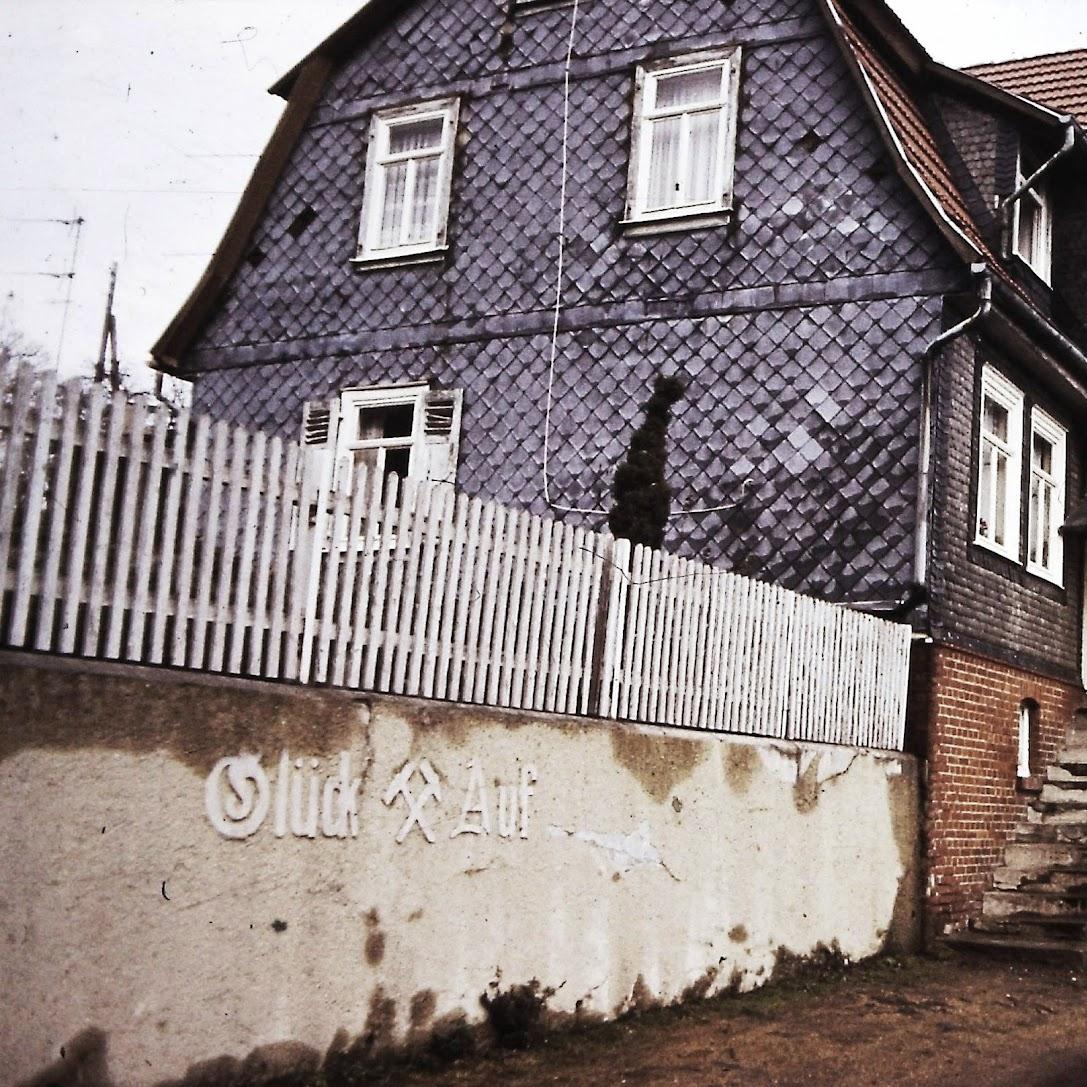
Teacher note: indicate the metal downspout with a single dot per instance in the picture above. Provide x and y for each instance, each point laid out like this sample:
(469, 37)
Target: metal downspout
(1069, 143)
(928, 393)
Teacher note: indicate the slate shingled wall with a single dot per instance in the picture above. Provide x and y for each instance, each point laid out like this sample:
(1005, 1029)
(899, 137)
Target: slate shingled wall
(797, 328)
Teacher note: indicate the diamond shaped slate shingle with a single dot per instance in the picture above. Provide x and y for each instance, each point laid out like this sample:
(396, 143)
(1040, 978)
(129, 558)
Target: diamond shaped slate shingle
(799, 354)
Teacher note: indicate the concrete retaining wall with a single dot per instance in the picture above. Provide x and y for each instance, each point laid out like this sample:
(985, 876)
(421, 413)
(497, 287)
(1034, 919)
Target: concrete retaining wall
(374, 866)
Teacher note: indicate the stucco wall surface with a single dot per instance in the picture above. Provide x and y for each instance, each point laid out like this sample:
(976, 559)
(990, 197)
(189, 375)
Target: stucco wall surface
(451, 852)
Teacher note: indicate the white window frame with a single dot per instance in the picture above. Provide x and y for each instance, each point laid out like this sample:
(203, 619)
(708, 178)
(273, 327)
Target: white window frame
(710, 212)
(378, 160)
(996, 387)
(379, 396)
(1046, 427)
(1040, 257)
(1025, 738)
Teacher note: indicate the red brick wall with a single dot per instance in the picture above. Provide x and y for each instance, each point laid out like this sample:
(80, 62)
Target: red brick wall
(972, 745)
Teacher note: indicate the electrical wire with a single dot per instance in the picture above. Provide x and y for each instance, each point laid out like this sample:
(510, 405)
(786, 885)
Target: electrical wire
(560, 268)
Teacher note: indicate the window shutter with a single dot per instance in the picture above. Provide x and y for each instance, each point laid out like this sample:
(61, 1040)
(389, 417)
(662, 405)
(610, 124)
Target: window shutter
(441, 434)
(319, 418)
(318, 439)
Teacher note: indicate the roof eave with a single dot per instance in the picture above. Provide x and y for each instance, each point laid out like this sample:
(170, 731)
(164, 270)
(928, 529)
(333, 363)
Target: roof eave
(1027, 107)
(342, 40)
(171, 347)
(909, 174)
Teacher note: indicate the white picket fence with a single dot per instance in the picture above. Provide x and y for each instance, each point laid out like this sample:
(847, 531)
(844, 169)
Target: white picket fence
(128, 533)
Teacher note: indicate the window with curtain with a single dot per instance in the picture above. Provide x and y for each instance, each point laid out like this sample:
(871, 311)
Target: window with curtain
(408, 177)
(683, 144)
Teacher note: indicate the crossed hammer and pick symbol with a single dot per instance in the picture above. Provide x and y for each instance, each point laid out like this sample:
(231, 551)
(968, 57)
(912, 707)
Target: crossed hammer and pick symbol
(401, 786)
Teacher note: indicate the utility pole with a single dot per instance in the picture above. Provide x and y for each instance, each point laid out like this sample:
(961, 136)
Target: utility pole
(109, 338)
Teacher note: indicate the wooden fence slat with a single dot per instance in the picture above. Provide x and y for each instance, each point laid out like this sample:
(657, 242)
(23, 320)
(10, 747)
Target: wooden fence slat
(29, 549)
(500, 641)
(227, 550)
(479, 556)
(363, 635)
(10, 473)
(316, 538)
(406, 613)
(60, 517)
(268, 504)
(129, 484)
(557, 642)
(334, 558)
(102, 525)
(385, 542)
(544, 686)
(466, 587)
(203, 604)
(283, 569)
(492, 580)
(539, 606)
(398, 572)
(518, 609)
(185, 608)
(615, 627)
(424, 666)
(427, 601)
(240, 619)
(145, 550)
(450, 597)
(345, 629)
(169, 536)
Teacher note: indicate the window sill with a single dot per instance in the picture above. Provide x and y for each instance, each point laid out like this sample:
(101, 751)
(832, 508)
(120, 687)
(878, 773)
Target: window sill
(530, 7)
(1027, 270)
(399, 260)
(1032, 784)
(1045, 575)
(673, 224)
(1004, 553)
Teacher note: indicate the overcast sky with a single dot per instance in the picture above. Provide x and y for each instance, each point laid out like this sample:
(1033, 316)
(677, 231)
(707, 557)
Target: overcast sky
(144, 118)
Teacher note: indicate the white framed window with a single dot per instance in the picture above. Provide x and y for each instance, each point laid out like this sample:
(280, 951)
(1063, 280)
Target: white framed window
(999, 464)
(1027, 737)
(1032, 228)
(683, 146)
(411, 430)
(1045, 513)
(409, 171)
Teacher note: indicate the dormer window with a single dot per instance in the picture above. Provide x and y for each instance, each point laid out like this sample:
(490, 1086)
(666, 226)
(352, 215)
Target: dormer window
(409, 170)
(1032, 228)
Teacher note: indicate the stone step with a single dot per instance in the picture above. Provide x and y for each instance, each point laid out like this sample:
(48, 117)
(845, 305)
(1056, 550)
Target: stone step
(1059, 796)
(1057, 815)
(1058, 775)
(1074, 759)
(1070, 881)
(1033, 905)
(1043, 928)
(1010, 944)
(1034, 855)
(1032, 833)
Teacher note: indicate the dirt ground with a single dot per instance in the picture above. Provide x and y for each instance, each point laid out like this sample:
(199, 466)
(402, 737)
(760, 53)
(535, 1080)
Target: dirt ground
(949, 1021)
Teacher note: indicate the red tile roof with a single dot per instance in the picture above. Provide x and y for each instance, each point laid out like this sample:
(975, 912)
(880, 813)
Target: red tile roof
(914, 137)
(1056, 80)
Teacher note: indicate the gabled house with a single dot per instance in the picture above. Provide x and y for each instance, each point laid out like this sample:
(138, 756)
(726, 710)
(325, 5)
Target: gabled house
(483, 226)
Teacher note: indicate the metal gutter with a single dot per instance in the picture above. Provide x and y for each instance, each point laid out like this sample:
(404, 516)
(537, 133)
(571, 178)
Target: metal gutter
(928, 417)
(1069, 143)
